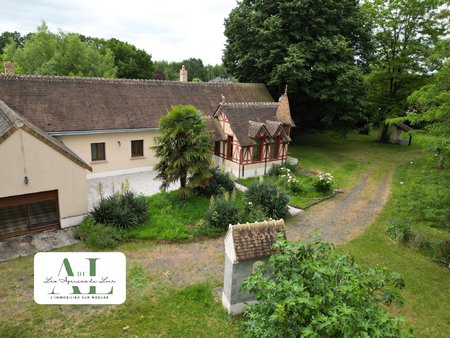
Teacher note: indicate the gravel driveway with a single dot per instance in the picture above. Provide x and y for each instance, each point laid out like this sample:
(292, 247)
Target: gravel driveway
(141, 183)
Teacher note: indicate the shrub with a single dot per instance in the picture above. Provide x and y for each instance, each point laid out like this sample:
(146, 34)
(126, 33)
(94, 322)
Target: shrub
(438, 249)
(218, 183)
(252, 214)
(97, 235)
(399, 232)
(324, 182)
(314, 291)
(277, 169)
(288, 180)
(123, 210)
(221, 213)
(271, 200)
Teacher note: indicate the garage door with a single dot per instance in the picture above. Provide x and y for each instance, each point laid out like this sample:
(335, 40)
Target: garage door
(28, 213)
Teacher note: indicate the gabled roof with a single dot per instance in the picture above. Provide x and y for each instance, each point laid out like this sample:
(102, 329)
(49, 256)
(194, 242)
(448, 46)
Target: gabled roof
(255, 240)
(10, 121)
(247, 118)
(58, 104)
(215, 129)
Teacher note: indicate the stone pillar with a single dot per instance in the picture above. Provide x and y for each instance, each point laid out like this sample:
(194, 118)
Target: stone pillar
(233, 298)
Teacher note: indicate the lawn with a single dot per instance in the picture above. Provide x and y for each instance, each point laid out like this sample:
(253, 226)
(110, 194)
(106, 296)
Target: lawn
(427, 291)
(152, 309)
(171, 218)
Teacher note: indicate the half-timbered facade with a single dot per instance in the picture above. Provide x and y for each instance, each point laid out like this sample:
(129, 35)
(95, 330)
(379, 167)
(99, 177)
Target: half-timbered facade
(256, 135)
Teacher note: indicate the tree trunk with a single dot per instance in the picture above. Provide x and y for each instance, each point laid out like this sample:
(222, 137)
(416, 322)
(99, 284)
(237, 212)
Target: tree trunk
(183, 181)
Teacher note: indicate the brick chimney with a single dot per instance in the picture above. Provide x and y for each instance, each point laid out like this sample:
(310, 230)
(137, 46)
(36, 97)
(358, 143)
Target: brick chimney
(9, 68)
(183, 74)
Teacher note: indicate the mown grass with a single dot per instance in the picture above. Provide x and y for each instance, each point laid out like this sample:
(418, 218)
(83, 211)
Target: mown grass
(170, 218)
(152, 309)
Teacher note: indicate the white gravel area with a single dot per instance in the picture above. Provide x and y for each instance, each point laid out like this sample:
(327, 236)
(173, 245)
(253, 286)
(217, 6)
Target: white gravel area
(144, 183)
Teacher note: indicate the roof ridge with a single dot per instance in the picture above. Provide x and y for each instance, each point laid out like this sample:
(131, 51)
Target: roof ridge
(57, 78)
(255, 103)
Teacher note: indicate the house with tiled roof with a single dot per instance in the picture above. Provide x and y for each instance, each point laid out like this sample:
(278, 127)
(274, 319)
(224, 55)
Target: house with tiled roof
(107, 127)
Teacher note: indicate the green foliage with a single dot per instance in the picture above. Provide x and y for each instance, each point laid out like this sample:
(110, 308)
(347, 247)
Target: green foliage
(131, 63)
(424, 195)
(46, 53)
(406, 33)
(270, 199)
(221, 213)
(98, 236)
(218, 182)
(314, 291)
(324, 182)
(430, 107)
(171, 218)
(276, 169)
(310, 45)
(183, 148)
(437, 249)
(124, 210)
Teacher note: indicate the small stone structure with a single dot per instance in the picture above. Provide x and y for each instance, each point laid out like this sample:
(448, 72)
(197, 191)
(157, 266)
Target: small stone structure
(245, 245)
(393, 133)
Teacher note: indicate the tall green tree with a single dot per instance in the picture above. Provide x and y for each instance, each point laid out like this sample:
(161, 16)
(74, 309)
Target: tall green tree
(131, 63)
(406, 33)
(430, 108)
(317, 47)
(312, 291)
(183, 148)
(46, 53)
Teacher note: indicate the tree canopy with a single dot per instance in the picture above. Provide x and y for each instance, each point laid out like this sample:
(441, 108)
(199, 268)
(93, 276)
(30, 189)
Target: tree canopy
(406, 35)
(430, 108)
(46, 53)
(183, 148)
(317, 47)
(312, 291)
(131, 63)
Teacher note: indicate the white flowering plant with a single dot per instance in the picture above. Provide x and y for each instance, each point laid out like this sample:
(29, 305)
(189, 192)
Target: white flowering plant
(324, 182)
(288, 180)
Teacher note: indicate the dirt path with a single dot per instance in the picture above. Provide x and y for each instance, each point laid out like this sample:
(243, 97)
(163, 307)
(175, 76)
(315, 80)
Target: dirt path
(345, 216)
(339, 219)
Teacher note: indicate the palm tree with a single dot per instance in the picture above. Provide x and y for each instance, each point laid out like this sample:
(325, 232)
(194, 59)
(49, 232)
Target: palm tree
(183, 148)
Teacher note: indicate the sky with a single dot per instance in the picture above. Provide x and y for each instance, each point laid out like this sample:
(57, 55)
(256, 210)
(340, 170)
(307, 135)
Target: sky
(172, 30)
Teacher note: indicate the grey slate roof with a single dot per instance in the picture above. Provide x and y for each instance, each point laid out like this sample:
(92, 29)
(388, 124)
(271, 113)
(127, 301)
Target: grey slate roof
(10, 121)
(75, 104)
